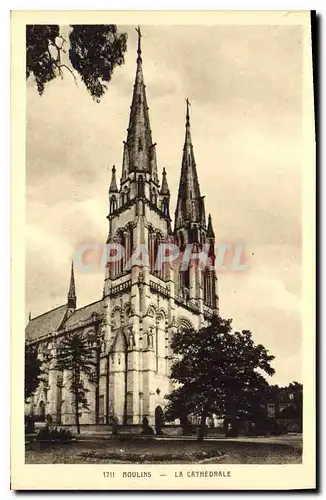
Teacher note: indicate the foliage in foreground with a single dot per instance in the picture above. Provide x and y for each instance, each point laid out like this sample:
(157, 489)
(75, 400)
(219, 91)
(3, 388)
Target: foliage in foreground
(125, 456)
(54, 434)
(33, 371)
(76, 356)
(218, 372)
(94, 52)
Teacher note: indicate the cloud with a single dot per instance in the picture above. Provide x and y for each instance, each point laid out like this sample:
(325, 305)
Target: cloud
(244, 83)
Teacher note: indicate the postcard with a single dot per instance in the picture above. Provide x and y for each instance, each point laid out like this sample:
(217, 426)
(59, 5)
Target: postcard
(163, 251)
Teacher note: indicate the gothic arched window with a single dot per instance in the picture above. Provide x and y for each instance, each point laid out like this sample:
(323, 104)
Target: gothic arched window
(184, 283)
(165, 207)
(122, 242)
(182, 240)
(113, 204)
(140, 186)
(153, 196)
(157, 265)
(154, 242)
(151, 246)
(127, 195)
(207, 279)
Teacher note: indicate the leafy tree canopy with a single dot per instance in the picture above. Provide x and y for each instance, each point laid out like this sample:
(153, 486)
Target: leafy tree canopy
(94, 52)
(33, 371)
(75, 355)
(218, 371)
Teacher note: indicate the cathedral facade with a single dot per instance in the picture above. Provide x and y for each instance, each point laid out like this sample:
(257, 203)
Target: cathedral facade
(131, 327)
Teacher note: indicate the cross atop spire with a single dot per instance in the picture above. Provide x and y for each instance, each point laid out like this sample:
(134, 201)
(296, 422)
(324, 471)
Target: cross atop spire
(139, 59)
(188, 115)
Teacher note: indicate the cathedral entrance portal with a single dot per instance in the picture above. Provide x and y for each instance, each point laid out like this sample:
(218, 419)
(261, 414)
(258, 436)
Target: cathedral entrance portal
(159, 421)
(41, 411)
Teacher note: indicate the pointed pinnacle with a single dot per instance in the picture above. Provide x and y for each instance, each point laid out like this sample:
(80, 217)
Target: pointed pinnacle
(113, 186)
(72, 291)
(210, 230)
(165, 188)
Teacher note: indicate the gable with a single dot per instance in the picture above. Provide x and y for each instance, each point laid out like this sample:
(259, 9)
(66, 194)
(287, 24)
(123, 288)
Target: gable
(45, 324)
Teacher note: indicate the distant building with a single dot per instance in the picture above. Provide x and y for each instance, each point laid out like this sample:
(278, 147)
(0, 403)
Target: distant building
(132, 325)
(285, 402)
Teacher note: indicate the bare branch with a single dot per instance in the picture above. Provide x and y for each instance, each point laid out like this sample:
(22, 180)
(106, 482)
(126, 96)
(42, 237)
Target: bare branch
(58, 60)
(70, 71)
(57, 63)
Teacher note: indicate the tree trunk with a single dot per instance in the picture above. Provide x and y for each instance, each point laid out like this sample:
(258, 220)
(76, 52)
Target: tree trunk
(77, 413)
(202, 428)
(97, 385)
(226, 425)
(107, 389)
(126, 389)
(235, 425)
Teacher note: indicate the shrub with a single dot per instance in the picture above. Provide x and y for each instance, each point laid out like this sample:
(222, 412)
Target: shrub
(146, 429)
(29, 424)
(277, 428)
(127, 456)
(53, 434)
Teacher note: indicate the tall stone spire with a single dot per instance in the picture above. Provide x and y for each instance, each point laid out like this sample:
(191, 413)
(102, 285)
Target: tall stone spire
(139, 154)
(190, 203)
(72, 299)
(210, 230)
(165, 188)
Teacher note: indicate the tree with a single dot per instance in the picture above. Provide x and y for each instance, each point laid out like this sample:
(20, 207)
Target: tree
(217, 372)
(94, 52)
(33, 371)
(76, 356)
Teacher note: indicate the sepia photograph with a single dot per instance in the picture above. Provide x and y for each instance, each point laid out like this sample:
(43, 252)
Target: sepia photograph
(163, 194)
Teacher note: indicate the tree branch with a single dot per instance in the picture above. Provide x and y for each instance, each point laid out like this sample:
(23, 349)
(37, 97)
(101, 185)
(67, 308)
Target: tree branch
(60, 66)
(70, 71)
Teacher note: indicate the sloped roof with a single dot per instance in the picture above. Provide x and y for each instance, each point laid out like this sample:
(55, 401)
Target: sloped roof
(84, 314)
(45, 323)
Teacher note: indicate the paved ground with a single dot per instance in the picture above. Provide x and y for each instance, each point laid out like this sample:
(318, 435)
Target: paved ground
(285, 449)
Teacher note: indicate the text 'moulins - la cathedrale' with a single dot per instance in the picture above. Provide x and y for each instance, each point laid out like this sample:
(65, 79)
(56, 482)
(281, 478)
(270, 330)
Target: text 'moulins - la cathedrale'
(132, 326)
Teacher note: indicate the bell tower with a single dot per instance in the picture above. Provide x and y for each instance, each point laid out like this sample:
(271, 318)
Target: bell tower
(190, 229)
(139, 218)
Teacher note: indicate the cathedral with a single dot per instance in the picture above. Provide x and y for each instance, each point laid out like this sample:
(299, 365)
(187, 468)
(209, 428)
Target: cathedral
(131, 327)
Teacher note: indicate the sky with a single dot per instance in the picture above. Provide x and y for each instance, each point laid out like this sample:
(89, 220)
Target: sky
(245, 88)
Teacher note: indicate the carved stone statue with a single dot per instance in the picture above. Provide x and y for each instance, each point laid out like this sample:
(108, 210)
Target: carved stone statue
(141, 280)
(174, 322)
(132, 341)
(150, 338)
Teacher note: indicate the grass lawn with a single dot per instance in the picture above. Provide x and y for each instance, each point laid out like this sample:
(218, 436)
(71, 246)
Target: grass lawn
(251, 451)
